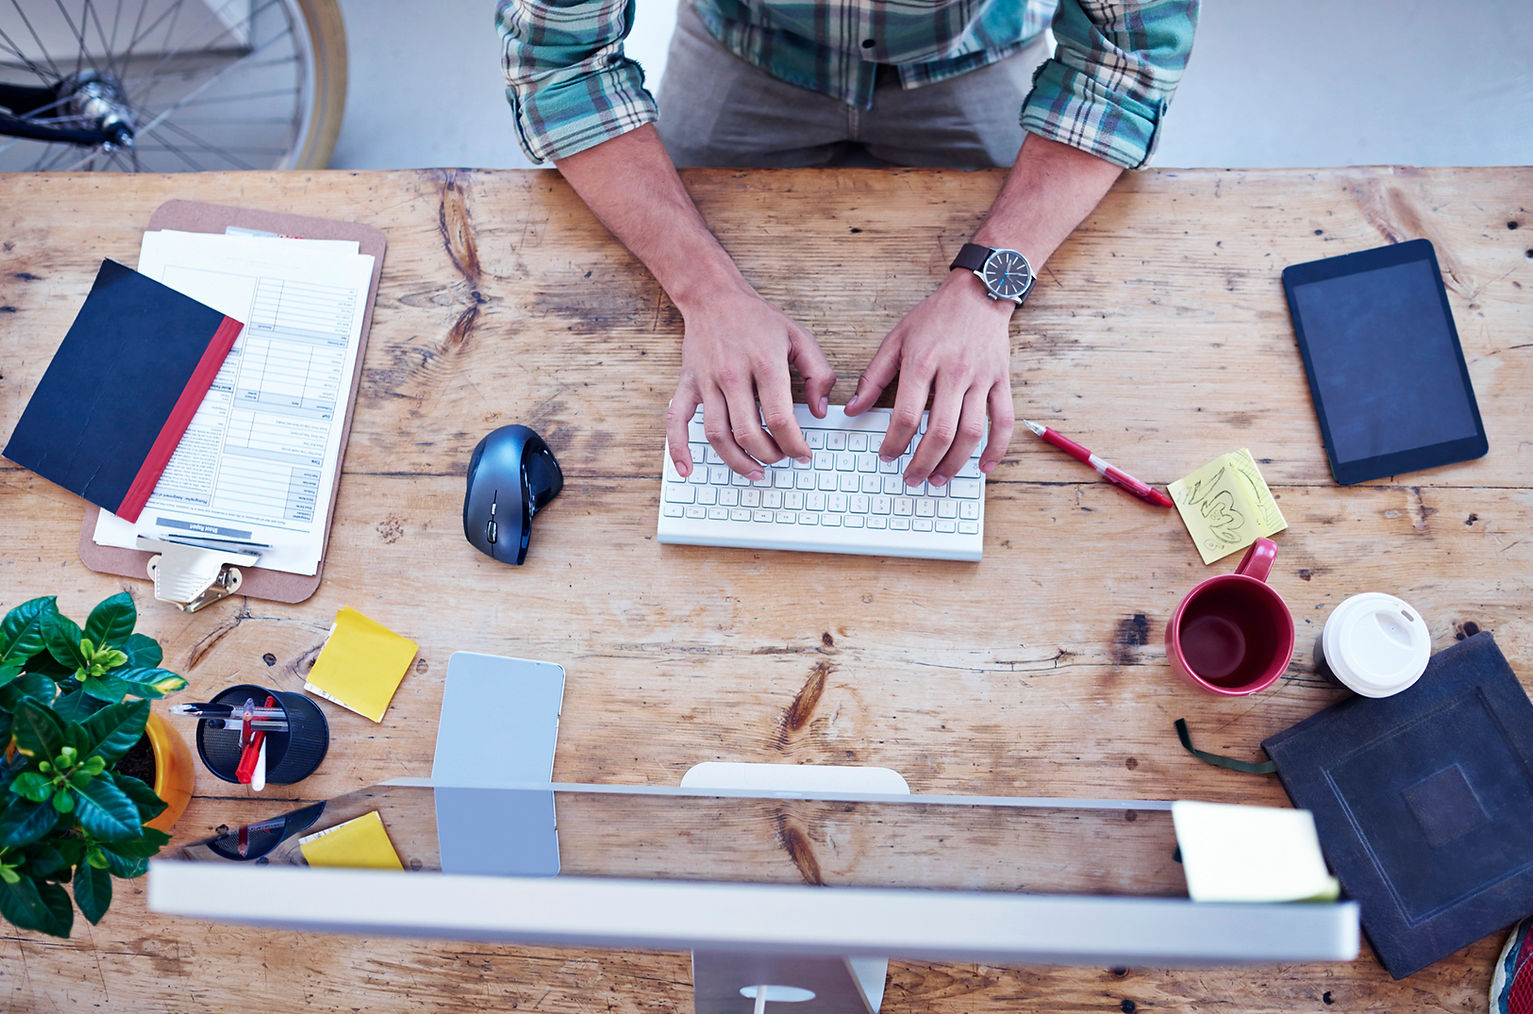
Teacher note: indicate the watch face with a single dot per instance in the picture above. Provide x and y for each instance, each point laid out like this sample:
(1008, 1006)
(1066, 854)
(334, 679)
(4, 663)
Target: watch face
(1008, 274)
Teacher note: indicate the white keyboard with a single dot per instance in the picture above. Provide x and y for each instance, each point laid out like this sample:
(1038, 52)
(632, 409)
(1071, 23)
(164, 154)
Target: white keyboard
(845, 501)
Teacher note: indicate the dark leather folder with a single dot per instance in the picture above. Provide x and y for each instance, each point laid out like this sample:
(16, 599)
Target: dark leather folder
(1424, 803)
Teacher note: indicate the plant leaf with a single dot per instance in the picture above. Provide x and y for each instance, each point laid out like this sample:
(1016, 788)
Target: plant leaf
(112, 731)
(111, 622)
(75, 706)
(124, 866)
(63, 637)
(109, 688)
(139, 848)
(143, 651)
(24, 822)
(105, 811)
(156, 683)
(38, 731)
(32, 684)
(44, 860)
(149, 805)
(22, 632)
(9, 671)
(32, 785)
(93, 891)
(43, 907)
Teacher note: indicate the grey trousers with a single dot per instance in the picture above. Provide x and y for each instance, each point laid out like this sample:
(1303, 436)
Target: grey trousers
(718, 110)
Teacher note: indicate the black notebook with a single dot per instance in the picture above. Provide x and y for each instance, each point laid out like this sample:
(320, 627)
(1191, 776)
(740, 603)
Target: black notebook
(1424, 803)
(122, 389)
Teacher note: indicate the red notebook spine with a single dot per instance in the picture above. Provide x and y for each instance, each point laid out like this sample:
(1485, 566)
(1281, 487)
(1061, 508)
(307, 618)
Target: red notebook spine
(179, 419)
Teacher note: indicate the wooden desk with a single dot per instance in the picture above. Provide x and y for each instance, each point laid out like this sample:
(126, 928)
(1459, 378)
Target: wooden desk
(1158, 335)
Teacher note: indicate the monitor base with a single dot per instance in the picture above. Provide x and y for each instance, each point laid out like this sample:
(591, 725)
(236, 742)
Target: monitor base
(728, 982)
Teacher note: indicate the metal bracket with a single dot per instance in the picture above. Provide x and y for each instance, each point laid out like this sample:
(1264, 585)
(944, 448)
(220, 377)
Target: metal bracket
(194, 576)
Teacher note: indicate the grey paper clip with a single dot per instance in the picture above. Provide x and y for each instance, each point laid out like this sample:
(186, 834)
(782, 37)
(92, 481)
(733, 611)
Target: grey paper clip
(193, 576)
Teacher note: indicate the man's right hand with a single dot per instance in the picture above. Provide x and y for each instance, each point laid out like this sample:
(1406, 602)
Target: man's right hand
(736, 352)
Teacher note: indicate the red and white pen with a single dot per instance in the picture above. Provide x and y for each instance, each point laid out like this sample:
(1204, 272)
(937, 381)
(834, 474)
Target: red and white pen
(1143, 490)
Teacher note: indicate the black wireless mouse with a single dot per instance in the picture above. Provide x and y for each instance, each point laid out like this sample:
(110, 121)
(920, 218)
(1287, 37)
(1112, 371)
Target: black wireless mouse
(511, 477)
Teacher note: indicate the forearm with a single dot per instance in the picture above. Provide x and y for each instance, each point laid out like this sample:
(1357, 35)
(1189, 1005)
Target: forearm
(1050, 190)
(630, 184)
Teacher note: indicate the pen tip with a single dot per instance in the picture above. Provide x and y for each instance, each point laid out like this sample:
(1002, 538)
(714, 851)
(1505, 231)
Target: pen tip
(1033, 426)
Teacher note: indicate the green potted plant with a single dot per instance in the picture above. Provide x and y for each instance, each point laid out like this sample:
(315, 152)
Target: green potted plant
(68, 814)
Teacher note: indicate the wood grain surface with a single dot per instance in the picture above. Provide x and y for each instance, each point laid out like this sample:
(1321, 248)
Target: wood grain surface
(1158, 336)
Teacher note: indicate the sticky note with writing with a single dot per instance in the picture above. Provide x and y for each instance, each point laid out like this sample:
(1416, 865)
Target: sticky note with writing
(1226, 505)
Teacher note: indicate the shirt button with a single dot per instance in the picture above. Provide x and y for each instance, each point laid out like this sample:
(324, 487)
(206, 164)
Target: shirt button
(868, 43)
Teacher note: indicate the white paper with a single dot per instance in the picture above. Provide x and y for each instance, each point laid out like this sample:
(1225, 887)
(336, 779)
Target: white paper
(260, 457)
(1250, 853)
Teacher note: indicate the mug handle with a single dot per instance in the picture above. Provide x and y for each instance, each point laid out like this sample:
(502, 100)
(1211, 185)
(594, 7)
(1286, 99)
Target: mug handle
(1257, 562)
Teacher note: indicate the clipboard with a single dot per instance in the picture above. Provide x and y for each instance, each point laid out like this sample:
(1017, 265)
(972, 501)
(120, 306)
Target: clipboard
(193, 577)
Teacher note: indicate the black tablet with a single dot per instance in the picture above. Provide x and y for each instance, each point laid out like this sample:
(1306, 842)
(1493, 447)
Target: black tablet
(1385, 368)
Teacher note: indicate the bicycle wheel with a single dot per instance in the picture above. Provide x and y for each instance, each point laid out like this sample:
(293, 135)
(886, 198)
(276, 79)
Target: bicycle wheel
(170, 85)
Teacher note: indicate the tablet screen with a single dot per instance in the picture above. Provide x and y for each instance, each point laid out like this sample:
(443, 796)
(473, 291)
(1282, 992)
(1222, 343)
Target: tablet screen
(1384, 361)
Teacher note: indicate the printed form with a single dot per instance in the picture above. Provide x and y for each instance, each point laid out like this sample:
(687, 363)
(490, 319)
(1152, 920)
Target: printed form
(257, 464)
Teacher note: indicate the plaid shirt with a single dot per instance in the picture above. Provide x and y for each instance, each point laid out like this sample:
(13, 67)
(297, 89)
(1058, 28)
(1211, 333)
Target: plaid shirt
(1105, 89)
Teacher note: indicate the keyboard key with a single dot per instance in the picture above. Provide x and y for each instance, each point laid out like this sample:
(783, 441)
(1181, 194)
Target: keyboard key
(867, 461)
(762, 517)
(772, 499)
(893, 484)
(672, 510)
(838, 503)
(969, 489)
(877, 521)
(925, 508)
(846, 461)
(968, 510)
(816, 439)
(718, 514)
(904, 505)
(828, 480)
(850, 483)
(707, 495)
(859, 504)
(695, 511)
(830, 521)
(899, 524)
(835, 440)
(947, 509)
(793, 500)
(782, 478)
(718, 475)
(787, 517)
(816, 501)
(729, 497)
(679, 492)
(889, 467)
(804, 479)
(871, 484)
(857, 442)
(882, 504)
(946, 526)
(922, 524)
(968, 527)
(808, 518)
(750, 498)
(854, 521)
(739, 514)
(736, 479)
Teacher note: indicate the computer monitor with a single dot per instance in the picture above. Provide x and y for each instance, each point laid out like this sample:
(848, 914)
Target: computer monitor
(774, 885)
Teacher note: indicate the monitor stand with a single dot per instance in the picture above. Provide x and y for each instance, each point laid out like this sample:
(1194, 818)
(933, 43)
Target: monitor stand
(727, 982)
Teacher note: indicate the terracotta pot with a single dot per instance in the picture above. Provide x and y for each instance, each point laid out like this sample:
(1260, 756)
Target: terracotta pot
(173, 770)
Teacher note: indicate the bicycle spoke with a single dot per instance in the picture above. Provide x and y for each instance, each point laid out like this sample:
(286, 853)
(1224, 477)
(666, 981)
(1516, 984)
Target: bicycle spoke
(215, 13)
(78, 34)
(148, 128)
(40, 47)
(203, 145)
(106, 45)
(167, 75)
(133, 36)
(34, 68)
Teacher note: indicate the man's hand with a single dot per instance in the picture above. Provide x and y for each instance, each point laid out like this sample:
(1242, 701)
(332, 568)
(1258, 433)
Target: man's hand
(955, 346)
(736, 352)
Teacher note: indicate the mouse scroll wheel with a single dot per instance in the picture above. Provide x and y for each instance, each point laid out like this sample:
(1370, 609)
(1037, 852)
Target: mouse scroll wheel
(490, 528)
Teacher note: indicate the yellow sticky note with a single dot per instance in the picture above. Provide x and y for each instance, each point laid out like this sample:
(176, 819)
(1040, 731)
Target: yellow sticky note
(1251, 853)
(1226, 505)
(360, 843)
(361, 665)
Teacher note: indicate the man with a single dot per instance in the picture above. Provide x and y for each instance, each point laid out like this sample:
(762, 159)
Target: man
(773, 82)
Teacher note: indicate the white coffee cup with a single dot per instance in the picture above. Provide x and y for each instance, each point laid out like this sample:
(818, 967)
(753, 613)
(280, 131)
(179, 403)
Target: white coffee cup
(1374, 644)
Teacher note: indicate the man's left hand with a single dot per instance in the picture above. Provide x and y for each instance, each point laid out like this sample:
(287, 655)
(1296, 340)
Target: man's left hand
(954, 346)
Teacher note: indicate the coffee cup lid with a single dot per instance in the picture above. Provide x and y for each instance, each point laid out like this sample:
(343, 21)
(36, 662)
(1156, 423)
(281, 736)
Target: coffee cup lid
(1376, 644)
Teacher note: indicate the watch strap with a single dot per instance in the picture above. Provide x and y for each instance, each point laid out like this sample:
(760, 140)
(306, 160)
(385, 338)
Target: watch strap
(971, 256)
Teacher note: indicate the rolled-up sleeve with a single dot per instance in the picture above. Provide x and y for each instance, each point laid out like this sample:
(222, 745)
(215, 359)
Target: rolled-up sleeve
(1114, 70)
(568, 82)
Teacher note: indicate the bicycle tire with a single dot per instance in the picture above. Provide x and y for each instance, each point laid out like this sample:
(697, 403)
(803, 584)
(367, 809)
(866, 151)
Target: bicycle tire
(327, 37)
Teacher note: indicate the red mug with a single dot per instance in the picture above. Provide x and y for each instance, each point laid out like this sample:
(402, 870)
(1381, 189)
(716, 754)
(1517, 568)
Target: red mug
(1233, 635)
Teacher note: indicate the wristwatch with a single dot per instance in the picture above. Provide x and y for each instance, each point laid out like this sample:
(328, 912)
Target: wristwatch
(1006, 273)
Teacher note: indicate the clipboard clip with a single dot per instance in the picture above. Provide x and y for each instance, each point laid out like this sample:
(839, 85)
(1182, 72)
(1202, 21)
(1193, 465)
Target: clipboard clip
(193, 576)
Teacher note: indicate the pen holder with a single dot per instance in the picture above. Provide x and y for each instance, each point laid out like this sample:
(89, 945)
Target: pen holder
(291, 756)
